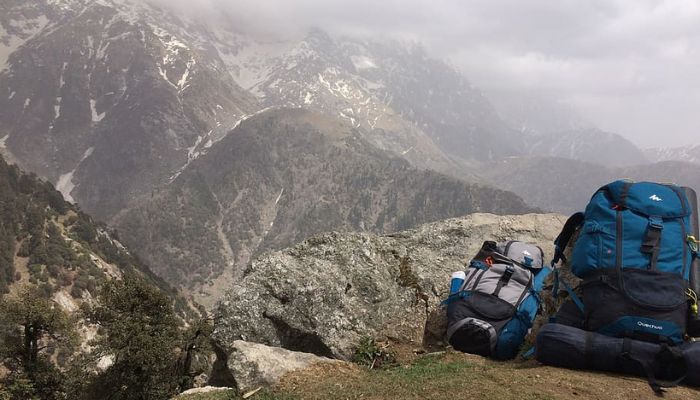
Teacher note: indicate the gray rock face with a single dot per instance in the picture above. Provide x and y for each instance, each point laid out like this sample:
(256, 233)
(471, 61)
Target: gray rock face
(254, 365)
(328, 292)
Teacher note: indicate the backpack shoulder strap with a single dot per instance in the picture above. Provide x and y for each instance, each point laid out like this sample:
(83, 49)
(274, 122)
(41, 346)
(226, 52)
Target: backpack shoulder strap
(560, 243)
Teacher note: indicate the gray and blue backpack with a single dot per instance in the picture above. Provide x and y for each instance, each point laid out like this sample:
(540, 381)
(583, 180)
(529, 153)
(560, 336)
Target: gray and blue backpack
(493, 304)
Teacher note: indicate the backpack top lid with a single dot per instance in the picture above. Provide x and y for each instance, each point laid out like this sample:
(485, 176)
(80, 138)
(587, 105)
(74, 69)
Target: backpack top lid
(523, 254)
(648, 198)
(528, 255)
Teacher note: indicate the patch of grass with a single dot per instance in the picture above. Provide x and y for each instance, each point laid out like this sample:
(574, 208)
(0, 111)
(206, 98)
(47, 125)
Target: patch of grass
(372, 355)
(440, 376)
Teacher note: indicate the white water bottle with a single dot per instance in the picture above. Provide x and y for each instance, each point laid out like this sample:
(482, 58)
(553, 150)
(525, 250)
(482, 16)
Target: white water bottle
(457, 281)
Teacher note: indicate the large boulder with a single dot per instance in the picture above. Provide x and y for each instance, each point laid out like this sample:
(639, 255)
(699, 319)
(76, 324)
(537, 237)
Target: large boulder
(327, 293)
(255, 365)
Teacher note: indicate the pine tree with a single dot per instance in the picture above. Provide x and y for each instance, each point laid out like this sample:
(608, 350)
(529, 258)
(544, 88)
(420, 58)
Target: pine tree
(30, 323)
(140, 337)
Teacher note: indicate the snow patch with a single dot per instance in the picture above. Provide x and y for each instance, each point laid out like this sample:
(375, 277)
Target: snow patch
(61, 80)
(10, 43)
(27, 102)
(191, 151)
(95, 116)
(57, 108)
(3, 140)
(250, 62)
(363, 62)
(280, 196)
(65, 185)
(183, 80)
(12, 95)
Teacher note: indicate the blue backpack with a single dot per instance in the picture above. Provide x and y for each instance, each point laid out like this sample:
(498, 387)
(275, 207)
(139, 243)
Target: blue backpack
(634, 253)
(493, 304)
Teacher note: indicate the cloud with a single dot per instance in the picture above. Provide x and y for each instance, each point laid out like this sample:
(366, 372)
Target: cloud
(631, 66)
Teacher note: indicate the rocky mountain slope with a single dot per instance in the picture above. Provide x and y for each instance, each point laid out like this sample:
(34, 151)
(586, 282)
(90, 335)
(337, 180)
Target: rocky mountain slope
(689, 154)
(105, 99)
(325, 294)
(110, 98)
(564, 185)
(278, 178)
(115, 100)
(47, 243)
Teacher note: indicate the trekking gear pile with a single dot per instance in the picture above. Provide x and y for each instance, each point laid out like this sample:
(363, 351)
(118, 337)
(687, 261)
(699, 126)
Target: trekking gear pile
(636, 253)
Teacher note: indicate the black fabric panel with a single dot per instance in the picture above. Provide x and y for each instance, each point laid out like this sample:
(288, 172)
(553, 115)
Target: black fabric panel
(569, 314)
(472, 339)
(654, 289)
(691, 352)
(655, 297)
(565, 346)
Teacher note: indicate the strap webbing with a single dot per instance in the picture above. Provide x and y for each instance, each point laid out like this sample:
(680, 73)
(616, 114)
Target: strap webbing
(505, 278)
(652, 240)
(555, 289)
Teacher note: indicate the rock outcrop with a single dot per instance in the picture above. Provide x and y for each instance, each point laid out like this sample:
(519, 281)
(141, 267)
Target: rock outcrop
(255, 365)
(325, 294)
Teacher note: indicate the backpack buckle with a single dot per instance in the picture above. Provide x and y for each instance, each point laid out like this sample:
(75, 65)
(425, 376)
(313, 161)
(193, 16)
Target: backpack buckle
(693, 243)
(656, 223)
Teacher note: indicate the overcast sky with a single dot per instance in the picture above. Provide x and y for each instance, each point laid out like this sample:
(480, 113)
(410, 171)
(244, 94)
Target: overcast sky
(630, 66)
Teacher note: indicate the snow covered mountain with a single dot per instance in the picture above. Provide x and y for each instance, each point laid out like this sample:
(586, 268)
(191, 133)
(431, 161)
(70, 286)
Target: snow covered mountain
(107, 98)
(689, 154)
(407, 103)
(554, 129)
(111, 98)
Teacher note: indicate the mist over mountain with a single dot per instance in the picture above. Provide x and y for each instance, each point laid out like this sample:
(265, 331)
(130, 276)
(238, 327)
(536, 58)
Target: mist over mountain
(565, 185)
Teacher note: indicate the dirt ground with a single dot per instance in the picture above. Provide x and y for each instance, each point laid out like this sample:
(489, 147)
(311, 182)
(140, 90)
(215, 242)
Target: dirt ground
(456, 375)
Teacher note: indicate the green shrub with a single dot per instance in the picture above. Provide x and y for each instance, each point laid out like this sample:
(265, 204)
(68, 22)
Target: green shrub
(371, 355)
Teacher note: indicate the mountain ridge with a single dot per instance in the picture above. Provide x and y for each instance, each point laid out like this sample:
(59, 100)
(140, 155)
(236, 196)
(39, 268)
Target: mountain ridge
(255, 192)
